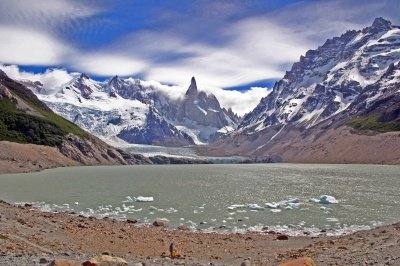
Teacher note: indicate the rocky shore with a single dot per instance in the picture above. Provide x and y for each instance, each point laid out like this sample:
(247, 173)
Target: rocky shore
(31, 237)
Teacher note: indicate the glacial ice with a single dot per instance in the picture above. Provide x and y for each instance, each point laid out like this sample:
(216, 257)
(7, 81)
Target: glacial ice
(144, 199)
(128, 199)
(255, 206)
(272, 205)
(236, 206)
(325, 199)
(275, 210)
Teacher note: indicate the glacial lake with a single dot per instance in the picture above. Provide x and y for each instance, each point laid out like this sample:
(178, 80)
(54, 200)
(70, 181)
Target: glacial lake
(231, 198)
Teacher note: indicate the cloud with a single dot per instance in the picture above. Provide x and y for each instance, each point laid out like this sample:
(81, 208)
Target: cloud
(34, 33)
(254, 50)
(52, 79)
(30, 47)
(240, 102)
(247, 42)
(45, 14)
(103, 64)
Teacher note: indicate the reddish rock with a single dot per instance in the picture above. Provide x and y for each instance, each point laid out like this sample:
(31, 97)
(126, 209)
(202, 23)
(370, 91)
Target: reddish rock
(105, 260)
(299, 262)
(158, 223)
(131, 220)
(282, 237)
(64, 262)
(89, 263)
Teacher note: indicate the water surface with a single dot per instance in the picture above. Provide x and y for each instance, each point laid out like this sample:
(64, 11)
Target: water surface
(201, 196)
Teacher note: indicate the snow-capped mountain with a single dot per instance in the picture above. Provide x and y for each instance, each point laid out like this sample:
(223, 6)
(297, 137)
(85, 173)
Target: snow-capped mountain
(326, 81)
(135, 111)
(351, 80)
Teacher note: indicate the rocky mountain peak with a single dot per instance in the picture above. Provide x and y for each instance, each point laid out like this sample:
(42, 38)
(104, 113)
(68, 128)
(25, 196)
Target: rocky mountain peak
(114, 79)
(3, 74)
(83, 76)
(326, 81)
(381, 24)
(192, 88)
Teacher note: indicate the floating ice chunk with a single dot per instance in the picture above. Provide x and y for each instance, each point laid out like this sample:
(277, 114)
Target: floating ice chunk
(275, 210)
(272, 205)
(144, 199)
(153, 208)
(255, 207)
(332, 219)
(76, 203)
(236, 206)
(292, 202)
(128, 199)
(325, 199)
(171, 210)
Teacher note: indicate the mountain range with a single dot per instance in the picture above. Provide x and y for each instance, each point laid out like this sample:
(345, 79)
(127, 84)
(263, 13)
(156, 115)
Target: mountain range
(340, 103)
(134, 111)
(47, 139)
(337, 104)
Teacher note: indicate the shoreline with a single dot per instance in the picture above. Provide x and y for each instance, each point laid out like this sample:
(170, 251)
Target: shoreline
(27, 233)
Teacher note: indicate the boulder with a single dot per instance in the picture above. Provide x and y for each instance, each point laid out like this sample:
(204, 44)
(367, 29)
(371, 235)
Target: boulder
(64, 262)
(43, 261)
(246, 262)
(131, 220)
(158, 223)
(105, 260)
(282, 237)
(299, 262)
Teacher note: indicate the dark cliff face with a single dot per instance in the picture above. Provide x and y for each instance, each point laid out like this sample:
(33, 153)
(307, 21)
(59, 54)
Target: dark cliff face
(201, 108)
(156, 131)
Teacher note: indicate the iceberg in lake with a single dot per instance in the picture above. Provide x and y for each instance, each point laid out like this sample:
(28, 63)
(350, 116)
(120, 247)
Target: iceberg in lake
(272, 205)
(255, 206)
(275, 210)
(128, 199)
(288, 204)
(144, 199)
(236, 206)
(325, 199)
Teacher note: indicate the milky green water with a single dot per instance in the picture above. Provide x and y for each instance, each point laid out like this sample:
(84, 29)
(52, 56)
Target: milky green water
(201, 196)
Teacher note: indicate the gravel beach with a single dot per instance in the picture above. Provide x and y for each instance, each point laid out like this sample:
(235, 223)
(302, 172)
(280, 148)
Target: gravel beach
(29, 236)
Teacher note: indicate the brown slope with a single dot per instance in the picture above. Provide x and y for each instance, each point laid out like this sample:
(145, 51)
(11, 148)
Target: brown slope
(24, 119)
(16, 157)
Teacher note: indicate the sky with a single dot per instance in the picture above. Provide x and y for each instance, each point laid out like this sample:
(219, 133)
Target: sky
(231, 45)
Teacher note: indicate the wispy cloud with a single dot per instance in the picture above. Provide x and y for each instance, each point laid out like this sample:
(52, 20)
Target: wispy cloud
(240, 102)
(31, 47)
(222, 43)
(52, 79)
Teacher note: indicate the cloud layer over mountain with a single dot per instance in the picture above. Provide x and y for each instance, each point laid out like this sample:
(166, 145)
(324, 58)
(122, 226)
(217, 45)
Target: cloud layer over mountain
(222, 43)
